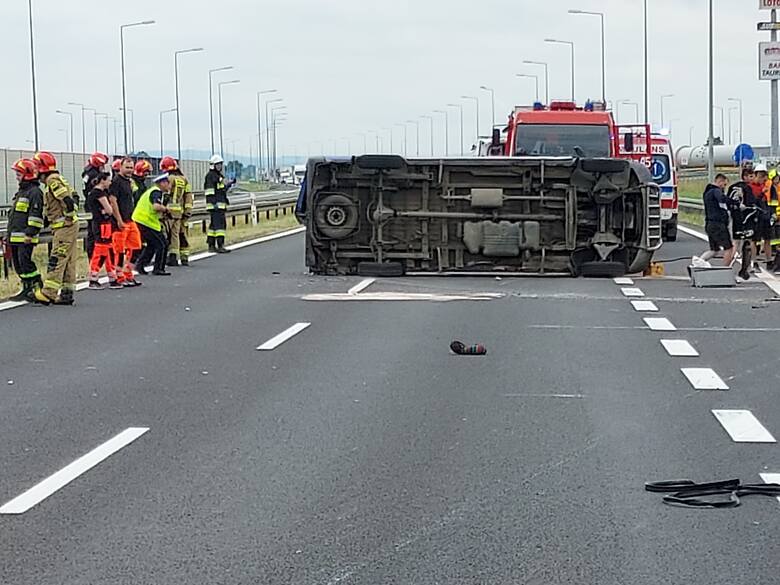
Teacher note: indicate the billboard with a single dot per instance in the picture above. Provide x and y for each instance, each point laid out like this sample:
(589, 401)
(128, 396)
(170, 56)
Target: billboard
(768, 4)
(769, 60)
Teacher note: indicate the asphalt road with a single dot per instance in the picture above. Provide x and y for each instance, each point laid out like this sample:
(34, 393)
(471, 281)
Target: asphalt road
(362, 451)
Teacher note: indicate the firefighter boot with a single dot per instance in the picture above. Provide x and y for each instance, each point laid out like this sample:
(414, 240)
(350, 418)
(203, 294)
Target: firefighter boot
(24, 294)
(172, 260)
(221, 249)
(212, 244)
(185, 261)
(39, 297)
(65, 299)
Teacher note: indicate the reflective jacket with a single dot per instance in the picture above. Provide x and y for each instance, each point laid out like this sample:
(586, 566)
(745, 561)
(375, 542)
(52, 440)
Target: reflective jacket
(181, 192)
(58, 201)
(216, 191)
(145, 213)
(26, 216)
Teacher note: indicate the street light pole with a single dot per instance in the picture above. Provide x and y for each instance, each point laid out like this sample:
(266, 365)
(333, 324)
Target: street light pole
(603, 50)
(176, 83)
(446, 130)
(546, 78)
(260, 95)
(430, 121)
(536, 80)
(492, 104)
(664, 97)
(211, 101)
(69, 115)
(571, 46)
(124, 82)
(476, 105)
(219, 109)
(32, 72)
(722, 120)
(268, 133)
(647, 77)
(731, 133)
(162, 146)
(83, 128)
(132, 128)
(739, 101)
(460, 107)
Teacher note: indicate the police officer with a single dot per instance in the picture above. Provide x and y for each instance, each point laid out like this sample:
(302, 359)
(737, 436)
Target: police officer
(95, 165)
(179, 211)
(60, 205)
(216, 205)
(147, 216)
(24, 224)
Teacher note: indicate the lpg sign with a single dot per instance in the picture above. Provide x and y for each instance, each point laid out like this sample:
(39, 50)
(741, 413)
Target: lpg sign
(768, 4)
(769, 60)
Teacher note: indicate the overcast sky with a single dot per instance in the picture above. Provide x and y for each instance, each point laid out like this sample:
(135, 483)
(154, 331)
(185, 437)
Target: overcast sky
(345, 67)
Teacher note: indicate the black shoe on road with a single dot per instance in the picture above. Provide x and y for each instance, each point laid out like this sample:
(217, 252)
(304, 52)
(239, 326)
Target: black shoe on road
(223, 251)
(212, 249)
(161, 273)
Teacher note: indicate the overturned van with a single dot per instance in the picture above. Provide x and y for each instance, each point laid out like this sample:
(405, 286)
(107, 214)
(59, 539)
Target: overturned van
(385, 215)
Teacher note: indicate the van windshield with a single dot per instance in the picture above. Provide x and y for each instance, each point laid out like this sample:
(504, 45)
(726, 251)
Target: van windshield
(562, 140)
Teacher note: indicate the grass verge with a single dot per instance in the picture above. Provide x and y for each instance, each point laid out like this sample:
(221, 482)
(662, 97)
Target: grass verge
(242, 231)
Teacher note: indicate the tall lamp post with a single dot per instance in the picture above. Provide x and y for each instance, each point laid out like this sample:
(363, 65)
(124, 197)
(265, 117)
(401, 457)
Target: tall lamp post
(124, 82)
(70, 116)
(492, 104)
(268, 133)
(646, 70)
(603, 50)
(32, 75)
(260, 95)
(739, 101)
(460, 107)
(446, 130)
(131, 133)
(176, 84)
(571, 47)
(534, 77)
(162, 146)
(211, 102)
(430, 121)
(220, 85)
(546, 78)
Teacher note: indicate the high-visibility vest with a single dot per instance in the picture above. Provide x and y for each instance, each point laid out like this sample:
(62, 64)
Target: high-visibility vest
(144, 213)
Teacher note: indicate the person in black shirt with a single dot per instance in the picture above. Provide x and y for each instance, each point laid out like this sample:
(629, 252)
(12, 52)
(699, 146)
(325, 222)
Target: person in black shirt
(744, 217)
(126, 239)
(716, 216)
(95, 166)
(103, 224)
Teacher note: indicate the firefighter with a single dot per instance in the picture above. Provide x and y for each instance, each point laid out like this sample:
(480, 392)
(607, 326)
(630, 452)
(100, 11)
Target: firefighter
(95, 164)
(141, 172)
(179, 211)
(147, 216)
(115, 166)
(216, 205)
(60, 206)
(126, 240)
(25, 221)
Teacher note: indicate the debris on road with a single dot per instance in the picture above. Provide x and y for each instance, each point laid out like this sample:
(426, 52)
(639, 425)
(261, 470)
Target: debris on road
(10, 382)
(461, 348)
(689, 494)
(205, 373)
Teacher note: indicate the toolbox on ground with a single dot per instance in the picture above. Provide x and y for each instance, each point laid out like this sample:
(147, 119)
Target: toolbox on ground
(716, 276)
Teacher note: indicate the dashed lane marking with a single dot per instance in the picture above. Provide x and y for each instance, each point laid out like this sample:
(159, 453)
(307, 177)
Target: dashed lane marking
(644, 306)
(632, 292)
(693, 233)
(771, 478)
(743, 426)
(278, 340)
(679, 348)
(704, 379)
(53, 483)
(659, 324)
(624, 281)
(361, 286)
(398, 296)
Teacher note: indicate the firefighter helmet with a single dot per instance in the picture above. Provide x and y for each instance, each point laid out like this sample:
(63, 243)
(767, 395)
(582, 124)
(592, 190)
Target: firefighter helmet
(46, 162)
(97, 160)
(168, 164)
(216, 160)
(27, 168)
(142, 168)
(116, 165)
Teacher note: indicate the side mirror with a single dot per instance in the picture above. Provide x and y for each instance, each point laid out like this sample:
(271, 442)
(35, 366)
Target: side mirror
(496, 137)
(628, 142)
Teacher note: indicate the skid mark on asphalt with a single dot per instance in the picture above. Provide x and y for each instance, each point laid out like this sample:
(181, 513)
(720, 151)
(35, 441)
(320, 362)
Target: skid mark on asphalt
(743, 427)
(67, 474)
(285, 335)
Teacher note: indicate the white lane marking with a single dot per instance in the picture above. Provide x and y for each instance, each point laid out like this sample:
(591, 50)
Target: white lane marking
(771, 478)
(644, 306)
(361, 286)
(659, 324)
(632, 292)
(270, 238)
(64, 476)
(397, 296)
(624, 281)
(743, 426)
(278, 340)
(679, 348)
(544, 396)
(704, 379)
(194, 258)
(693, 233)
